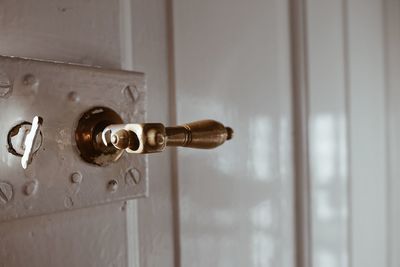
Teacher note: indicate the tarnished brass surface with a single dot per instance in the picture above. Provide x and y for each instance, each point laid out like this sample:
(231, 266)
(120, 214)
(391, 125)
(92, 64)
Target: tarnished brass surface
(203, 134)
(154, 137)
(101, 137)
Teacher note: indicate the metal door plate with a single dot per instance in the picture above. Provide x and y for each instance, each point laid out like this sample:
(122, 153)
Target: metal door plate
(58, 179)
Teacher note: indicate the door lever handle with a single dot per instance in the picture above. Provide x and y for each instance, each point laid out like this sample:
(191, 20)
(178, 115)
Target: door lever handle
(102, 137)
(154, 137)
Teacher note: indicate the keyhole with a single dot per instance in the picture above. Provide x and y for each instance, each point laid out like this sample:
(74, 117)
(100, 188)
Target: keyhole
(16, 139)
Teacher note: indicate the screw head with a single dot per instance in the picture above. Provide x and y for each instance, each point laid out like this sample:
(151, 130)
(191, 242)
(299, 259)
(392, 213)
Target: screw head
(131, 92)
(73, 97)
(112, 185)
(30, 188)
(68, 202)
(5, 86)
(132, 176)
(6, 192)
(76, 177)
(30, 80)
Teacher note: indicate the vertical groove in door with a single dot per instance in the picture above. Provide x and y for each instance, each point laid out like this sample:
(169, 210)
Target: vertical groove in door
(391, 15)
(346, 75)
(173, 121)
(388, 54)
(126, 54)
(300, 127)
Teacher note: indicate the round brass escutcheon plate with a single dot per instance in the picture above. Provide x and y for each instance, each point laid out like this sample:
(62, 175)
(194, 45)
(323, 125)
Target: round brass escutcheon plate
(88, 136)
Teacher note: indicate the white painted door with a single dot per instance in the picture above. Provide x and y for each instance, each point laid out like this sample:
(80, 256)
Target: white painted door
(303, 84)
(232, 63)
(311, 88)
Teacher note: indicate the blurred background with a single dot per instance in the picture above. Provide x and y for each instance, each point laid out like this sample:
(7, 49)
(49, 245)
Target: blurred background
(311, 88)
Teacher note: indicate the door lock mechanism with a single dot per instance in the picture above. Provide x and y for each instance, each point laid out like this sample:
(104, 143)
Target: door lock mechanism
(101, 136)
(60, 151)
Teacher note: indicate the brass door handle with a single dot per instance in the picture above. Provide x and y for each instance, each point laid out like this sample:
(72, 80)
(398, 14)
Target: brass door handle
(101, 136)
(154, 137)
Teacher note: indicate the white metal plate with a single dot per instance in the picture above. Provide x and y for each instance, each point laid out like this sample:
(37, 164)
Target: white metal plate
(60, 93)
